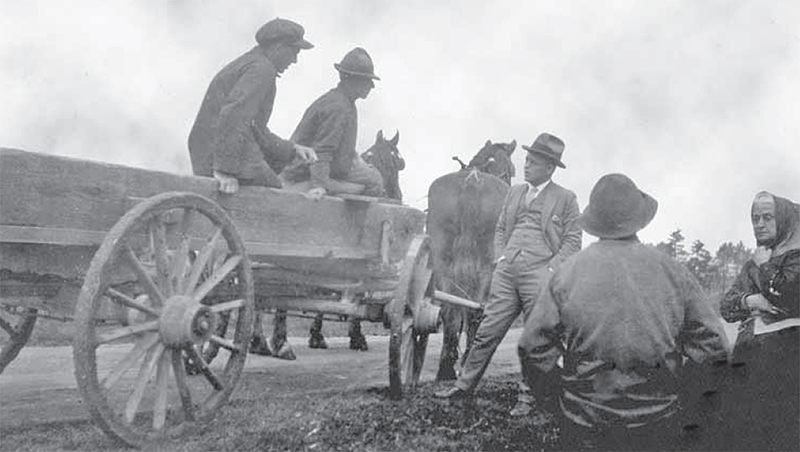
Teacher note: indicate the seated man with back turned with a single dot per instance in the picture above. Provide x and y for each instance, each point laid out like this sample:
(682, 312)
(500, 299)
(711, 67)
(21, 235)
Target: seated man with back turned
(329, 127)
(629, 322)
(230, 139)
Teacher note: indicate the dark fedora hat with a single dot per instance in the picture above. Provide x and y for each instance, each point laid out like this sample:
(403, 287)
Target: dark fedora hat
(617, 208)
(549, 146)
(282, 30)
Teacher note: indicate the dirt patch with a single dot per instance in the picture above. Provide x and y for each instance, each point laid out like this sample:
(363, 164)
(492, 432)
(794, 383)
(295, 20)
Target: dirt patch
(357, 420)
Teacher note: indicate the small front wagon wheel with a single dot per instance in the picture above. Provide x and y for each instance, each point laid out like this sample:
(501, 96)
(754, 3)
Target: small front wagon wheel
(130, 367)
(412, 317)
(17, 325)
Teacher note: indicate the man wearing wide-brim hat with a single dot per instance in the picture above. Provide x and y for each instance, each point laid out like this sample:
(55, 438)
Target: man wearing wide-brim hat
(230, 139)
(623, 315)
(535, 233)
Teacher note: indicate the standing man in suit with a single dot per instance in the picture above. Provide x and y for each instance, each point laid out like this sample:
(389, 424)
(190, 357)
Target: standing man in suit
(535, 233)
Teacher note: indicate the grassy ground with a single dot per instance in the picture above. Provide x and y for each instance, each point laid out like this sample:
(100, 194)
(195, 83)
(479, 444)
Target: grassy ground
(362, 420)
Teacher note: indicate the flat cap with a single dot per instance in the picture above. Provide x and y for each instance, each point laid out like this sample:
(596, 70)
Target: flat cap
(282, 30)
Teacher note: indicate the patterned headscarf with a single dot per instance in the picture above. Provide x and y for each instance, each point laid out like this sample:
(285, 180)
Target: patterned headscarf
(787, 224)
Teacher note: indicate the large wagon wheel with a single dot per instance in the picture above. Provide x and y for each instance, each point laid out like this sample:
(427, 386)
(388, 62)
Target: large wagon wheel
(17, 323)
(131, 375)
(412, 317)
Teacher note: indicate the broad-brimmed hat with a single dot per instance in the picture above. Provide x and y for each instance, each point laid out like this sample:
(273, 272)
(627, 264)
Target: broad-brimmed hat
(357, 62)
(549, 146)
(617, 208)
(282, 30)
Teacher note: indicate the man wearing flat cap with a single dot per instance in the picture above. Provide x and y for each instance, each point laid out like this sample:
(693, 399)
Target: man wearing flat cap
(330, 127)
(535, 233)
(623, 316)
(230, 139)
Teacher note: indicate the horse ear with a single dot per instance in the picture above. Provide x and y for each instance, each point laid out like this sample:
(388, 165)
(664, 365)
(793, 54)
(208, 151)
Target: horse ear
(511, 147)
(395, 139)
(379, 138)
(488, 143)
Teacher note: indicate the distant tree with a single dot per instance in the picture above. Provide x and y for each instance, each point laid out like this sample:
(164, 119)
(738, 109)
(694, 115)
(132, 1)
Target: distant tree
(700, 263)
(674, 246)
(729, 260)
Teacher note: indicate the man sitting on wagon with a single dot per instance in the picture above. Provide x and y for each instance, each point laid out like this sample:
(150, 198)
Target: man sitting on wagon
(230, 139)
(329, 126)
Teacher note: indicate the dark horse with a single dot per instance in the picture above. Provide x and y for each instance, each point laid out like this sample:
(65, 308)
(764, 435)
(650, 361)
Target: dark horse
(463, 208)
(385, 157)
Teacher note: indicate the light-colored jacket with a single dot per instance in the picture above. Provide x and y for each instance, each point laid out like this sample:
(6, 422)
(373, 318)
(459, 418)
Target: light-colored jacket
(561, 232)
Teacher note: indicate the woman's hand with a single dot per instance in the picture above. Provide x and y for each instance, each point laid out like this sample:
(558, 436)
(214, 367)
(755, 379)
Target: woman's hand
(757, 302)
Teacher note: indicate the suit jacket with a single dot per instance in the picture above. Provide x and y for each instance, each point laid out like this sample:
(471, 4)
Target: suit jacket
(560, 230)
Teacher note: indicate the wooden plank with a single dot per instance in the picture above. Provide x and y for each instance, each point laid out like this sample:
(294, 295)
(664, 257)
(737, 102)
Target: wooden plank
(52, 192)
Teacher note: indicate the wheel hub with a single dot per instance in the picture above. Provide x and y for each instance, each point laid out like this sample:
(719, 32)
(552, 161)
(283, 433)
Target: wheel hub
(426, 316)
(184, 321)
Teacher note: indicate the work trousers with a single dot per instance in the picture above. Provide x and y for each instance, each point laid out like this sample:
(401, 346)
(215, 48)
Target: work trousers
(516, 285)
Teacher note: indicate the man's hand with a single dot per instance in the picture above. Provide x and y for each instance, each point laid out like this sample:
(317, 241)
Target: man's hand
(761, 255)
(316, 193)
(305, 153)
(227, 184)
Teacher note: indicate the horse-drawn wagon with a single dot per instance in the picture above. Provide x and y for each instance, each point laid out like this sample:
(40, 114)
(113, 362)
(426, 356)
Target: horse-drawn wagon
(168, 274)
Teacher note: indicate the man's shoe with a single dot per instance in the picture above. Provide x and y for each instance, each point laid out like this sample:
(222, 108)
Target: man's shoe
(451, 393)
(521, 409)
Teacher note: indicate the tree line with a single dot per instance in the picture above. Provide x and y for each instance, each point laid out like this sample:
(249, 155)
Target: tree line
(716, 272)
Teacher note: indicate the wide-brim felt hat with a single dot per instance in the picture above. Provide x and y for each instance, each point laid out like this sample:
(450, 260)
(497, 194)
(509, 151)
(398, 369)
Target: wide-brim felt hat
(285, 31)
(617, 208)
(549, 146)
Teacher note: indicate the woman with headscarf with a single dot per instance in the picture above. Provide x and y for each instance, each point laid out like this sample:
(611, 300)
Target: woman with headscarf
(762, 410)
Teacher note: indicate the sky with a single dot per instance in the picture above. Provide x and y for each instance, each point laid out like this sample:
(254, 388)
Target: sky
(696, 101)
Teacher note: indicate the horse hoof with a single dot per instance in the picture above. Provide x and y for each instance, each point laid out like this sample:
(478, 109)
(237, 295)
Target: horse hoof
(285, 352)
(317, 342)
(359, 343)
(259, 346)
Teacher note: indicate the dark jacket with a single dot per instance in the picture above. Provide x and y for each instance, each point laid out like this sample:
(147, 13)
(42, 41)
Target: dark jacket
(230, 132)
(329, 126)
(560, 211)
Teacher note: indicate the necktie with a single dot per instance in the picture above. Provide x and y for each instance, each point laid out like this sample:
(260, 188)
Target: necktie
(531, 195)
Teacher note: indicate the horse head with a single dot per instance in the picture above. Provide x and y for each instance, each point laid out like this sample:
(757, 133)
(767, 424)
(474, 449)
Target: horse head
(495, 158)
(385, 157)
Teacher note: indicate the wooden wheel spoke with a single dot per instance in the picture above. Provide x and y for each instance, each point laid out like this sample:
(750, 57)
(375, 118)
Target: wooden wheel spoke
(202, 259)
(408, 349)
(8, 327)
(145, 371)
(204, 369)
(420, 285)
(149, 285)
(162, 378)
(158, 239)
(129, 361)
(125, 331)
(219, 274)
(181, 258)
(129, 302)
(228, 305)
(183, 388)
(226, 343)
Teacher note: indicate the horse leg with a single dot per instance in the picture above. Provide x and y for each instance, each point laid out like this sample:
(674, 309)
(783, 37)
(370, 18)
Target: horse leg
(259, 344)
(357, 339)
(451, 329)
(280, 346)
(317, 340)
